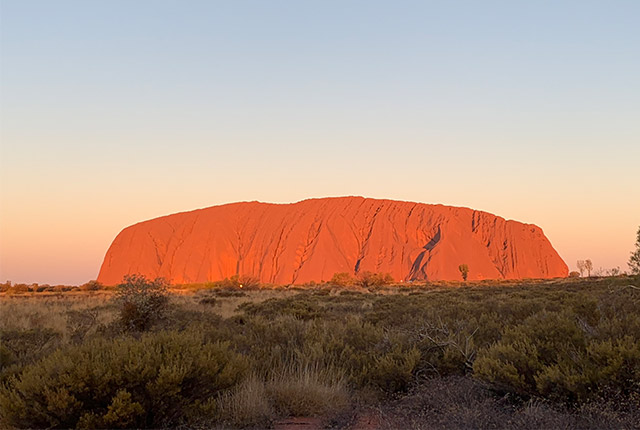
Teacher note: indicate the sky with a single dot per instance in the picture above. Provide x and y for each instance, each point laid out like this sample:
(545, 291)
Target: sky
(114, 112)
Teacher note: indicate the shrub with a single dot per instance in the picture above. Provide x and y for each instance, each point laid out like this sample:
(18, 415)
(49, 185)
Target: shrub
(552, 355)
(342, 279)
(91, 286)
(235, 282)
(4, 287)
(19, 289)
(142, 302)
(605, 367)
(464, 271)
(156, 381)
(542, 340)
(510, 366)
(368, 279)
(394, 371)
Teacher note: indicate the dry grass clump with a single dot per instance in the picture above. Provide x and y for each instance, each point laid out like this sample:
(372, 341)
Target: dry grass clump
(246, 405)
(308, 391)
(293, 391)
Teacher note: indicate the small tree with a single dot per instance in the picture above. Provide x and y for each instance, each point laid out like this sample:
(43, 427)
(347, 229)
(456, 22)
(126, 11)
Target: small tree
(613, 272)
(142, 302)
(634, 260)
(588, 265)
(464, 271)
(581, 266)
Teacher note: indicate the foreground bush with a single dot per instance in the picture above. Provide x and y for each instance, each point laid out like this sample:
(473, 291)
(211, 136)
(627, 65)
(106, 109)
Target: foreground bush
(549, 355)
(160, 380)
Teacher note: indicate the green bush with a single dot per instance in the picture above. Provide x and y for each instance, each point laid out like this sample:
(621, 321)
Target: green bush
(604, 368)
(342, 279)
(158, 380)
(142, 302)
(551, 355)
(393, 371)
(525, 350)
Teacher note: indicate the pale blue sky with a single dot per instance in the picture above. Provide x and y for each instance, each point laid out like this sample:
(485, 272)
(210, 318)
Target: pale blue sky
(117, 111)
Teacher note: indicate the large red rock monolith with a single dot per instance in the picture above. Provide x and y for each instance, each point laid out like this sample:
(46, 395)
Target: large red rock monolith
(313, 239)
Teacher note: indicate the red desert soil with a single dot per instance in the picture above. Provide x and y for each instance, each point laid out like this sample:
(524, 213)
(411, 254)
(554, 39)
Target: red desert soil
(313, 239)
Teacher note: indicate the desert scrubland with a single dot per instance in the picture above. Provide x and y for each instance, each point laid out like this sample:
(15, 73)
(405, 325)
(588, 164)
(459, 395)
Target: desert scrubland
(504, 354)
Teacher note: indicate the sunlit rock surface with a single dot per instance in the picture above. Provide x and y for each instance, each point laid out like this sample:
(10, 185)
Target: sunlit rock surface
(313, 239)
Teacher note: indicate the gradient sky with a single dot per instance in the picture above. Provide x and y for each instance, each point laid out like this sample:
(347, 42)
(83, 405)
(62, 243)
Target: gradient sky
(113, 112)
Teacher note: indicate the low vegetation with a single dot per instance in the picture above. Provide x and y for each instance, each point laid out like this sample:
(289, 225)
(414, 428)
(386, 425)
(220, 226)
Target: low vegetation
(141, 302)
(559, 353)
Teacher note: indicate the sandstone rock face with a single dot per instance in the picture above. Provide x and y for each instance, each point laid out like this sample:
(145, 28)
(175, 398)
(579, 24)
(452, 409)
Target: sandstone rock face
(313, 239)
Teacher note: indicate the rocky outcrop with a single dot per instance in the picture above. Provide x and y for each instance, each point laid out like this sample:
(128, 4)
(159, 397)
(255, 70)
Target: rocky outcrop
(313, 239)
